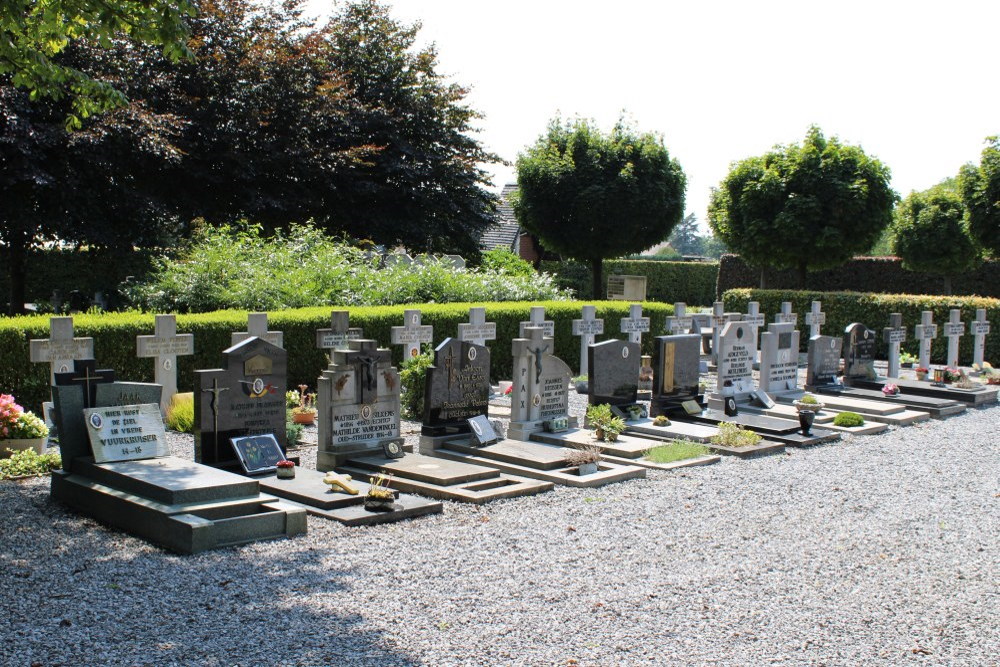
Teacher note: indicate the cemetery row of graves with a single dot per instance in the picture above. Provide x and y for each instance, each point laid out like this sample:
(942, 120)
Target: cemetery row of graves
(244, 483)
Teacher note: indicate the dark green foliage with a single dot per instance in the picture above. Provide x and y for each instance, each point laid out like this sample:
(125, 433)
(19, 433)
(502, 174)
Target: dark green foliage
(848, 420)
(413, 380)
(872, 310)
(980, 187)
(502, 260)
(807, 207)
(669, 282)
(591, 196)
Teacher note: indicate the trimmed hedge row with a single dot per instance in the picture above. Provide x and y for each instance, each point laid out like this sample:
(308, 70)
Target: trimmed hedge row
(115, 347)
(691, 282)
(872, 310)
(884, 275)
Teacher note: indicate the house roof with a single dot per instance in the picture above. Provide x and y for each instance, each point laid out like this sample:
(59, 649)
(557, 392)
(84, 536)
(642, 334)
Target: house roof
(504, 232)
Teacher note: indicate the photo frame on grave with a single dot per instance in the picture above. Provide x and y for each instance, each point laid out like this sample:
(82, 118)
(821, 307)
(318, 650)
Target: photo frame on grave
(482, 431)
(730, 407)
(258, 454)
(761, 397)
(691, 407)
(393, 449)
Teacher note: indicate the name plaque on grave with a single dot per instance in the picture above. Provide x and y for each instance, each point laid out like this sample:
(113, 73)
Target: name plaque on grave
(554, 393)
(257, 453)
(954, 328)
(897, 336)
(126, 432)
(926, 332)
(979, 328)
(351, 423)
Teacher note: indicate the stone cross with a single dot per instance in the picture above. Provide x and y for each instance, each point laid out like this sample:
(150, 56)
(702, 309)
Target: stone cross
(753, 316)
(87, 376)
(954, 329)
(165, 345)
(719, 320)
(925, 332)
(587, 327)
(411, 334)
(60, 349)
(786, 314)
(979, 328)
(537, 319)
(257, 326)
(635, 324)
(816, 318)
(525, 403)
(339, 333)
(365, 356)
(679, 322)
(477, 330)
(894, 334)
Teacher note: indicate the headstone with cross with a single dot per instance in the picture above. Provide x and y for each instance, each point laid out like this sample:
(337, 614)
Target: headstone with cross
(536, 318)
(359, 404)
(339, 333)
(635, 324)
(541, 385)
(83, 381)
(457, 388)
(980, 328)
(894, 334)
(60, 349)
(925, 332)
(680, 322)
(754, 317)
(412, 333)
(587, 327)
(165, 345)
(815, 318)
(719, 320)
(477, 330)
(786, 315)
(257, 326)
(954, 329)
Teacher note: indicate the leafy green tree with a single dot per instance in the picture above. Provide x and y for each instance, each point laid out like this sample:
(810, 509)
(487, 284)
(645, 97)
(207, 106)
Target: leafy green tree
(685, 239)
(930, 233)
(808, 207)
(591, 196)
(980, 188)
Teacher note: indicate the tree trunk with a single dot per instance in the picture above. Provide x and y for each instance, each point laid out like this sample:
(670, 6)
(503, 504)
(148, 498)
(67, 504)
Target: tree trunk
(803, 274)
(763, 277)
(595, 271)
(17, 249)
(947, 285)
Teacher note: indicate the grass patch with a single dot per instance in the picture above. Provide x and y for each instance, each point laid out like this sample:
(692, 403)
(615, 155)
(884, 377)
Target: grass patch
(676, 450)
(180, 414)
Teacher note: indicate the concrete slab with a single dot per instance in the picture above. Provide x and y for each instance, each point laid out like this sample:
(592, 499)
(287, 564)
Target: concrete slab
(772, 428)
(936, 407)
(685, 463)
(899, 416)
(168, 480)
(984, 395)
(675, 430)
(626, 447)
(824, 418)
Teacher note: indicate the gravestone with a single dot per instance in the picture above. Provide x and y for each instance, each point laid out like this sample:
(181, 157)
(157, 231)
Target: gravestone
(126, 432)
(456, 261)
(541, 385)
(786, 316)
(477, 330)
(925, 332)
(165, 345)
(859, 353)
(614, 377)
(60, 349)
(358, 402)
(412, 333)
(635, 324)
(340, 333)
(398, 258)
(737, 349)
(815, 318)
(244, 397)
(587, 327)
(257, 327)
(675, 373)
(680, 322)
(536, 318)
(457, 387)
(954, 329)
(980, 329)
(754, 317)
(779, 359)
(823, 363)
(894, 334)
(719, 319)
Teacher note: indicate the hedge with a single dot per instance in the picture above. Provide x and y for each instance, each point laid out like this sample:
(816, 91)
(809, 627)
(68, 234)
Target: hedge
(114, 338)
(884, 275)
(872, 310)
(691, 282)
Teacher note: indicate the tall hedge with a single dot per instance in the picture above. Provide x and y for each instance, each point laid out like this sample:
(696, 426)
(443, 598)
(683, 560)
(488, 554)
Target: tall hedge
(872, 310)
(885, 275)
(114, 338)
(691, 282)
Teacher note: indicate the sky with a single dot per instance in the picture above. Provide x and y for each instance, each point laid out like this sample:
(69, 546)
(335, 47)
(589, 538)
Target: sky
(915, 84)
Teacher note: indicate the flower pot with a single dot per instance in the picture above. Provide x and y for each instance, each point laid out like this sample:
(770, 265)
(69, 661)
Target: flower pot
(582, 387)
(806, 418)
(20, 444)
(380, 504)
(286, 473)
(612, 436)
(809, 407)
(599, 433)
(304, 417)
(587, 468)
(921, 375)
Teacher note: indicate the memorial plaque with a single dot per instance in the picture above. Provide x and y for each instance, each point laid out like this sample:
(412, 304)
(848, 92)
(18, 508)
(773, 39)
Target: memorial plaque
(258, 453)
(412, 333)
(779, 358)
(737, 350)
(126, 432)
(859, 352)
(536, 318)
(457, 387)
(340, 332)
(60, 350)
(824, 361)
(482, 431)
(614, 372)
(477, 330)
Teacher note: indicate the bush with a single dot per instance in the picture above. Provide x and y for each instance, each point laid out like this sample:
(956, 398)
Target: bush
(412, 379)
(180, 414)
(691, 282)
(28, 462)
(501, 260)
(734, 435)
(848, 420)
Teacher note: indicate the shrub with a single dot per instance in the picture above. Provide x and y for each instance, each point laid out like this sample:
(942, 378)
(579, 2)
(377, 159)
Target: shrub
(293, 431)
(412, 379)
(180, 414)
(691, 282)
(28, 462)
(501, 260)
(848, 420)
(734, 435)
(676, 450)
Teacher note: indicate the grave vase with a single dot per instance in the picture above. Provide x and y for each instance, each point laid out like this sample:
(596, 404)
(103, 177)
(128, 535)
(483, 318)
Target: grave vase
(806, 418)
(20, 444)
(587, 468)
(304, 417)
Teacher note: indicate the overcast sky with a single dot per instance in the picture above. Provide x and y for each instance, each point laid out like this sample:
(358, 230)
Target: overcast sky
(915, 84)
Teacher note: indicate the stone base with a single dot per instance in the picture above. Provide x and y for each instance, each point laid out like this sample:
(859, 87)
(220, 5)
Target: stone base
(980, 396)
(523, 430)
(937, 408)
(763, 448)
(776, 430)
(684, 463)
(883, 412)
(824, 419)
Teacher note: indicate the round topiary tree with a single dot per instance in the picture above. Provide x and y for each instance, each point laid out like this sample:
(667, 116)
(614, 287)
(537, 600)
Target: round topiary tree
(980, 188)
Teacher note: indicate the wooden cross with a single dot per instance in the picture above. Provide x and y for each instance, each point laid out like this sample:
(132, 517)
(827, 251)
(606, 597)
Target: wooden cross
(588, 326)
(165, 345)
(954, 329)
(815, 318)
(679, 322)
(412, 333)
(537, 319)
(257, 326)
(786, 314)
(477, 330)
(894, 334)
(979, 328)
(635, 324)
(339, 334)
(925, 332)
(87, 376)
(60, 349)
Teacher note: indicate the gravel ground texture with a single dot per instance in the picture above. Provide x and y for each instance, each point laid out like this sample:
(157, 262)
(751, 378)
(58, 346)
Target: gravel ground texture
(874, 550)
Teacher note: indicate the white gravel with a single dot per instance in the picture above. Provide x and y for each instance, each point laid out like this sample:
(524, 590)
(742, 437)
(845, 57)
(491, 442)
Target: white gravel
(875, 550)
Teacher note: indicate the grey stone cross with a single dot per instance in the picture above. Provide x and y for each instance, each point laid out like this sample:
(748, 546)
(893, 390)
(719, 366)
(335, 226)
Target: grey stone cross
(257, 326)
(165, 345)
(588, 326)
(477, 330)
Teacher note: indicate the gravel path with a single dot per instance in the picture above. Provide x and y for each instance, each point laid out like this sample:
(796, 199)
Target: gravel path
(875, 550)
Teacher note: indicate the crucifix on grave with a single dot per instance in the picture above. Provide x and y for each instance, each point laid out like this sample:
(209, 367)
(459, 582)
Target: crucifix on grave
(588, 326)
(165, 345)
(679, 322)
(257, 326)
(925, 332)
(214, 403)
(365, 357)
(412, 333)
(894, 334)
(786, 315)
(635, 324)
(525, 400)
(816, 318)
(339, 333)
(954, 329)
(88, 377)
(980, 327)
(60, 350)
(477, 330)
(536, 318)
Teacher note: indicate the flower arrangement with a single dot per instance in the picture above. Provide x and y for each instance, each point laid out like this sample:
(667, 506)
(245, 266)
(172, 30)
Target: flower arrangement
(890, 389)
(18, 424)
(922, 372)
(606, 425)
(286, 469)
(952, 374)
(305, 410)
(380, 498)
(582, 455)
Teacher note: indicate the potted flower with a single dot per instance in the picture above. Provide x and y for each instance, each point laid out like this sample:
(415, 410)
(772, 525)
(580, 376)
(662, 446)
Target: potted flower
(19, 428)
(380, 498)
(921, 372)
(584, 459)
(607, 426)
(952, 374)
(286, 470)
(305, 412)
(906, 360)
(808, 403)
(890, 389)
(613, 428)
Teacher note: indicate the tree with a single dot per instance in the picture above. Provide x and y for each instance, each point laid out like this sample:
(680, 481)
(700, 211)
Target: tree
(980, 189)
(807, 207)
(930, 233)
(684, 239)
(591, 196)
(33, 33)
